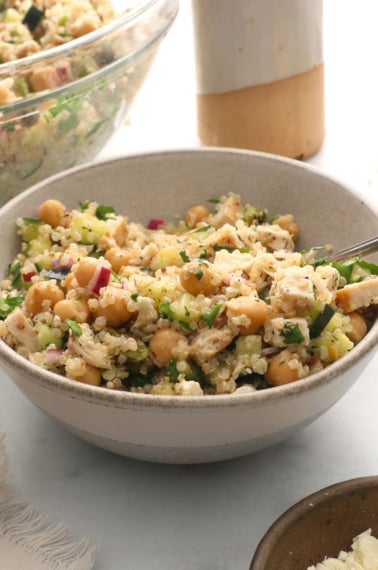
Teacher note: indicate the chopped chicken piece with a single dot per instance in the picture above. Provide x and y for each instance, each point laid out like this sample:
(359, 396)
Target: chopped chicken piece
(230, 210)
(274, 237)
(22, 329)
(91, 350)
(295, 289)
(209, 342)
(358, 295)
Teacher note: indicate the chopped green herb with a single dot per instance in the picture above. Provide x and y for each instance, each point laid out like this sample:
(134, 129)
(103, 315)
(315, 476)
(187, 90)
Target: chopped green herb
(231, 249)
(184, 325)
(199, 275)
(184, 256)
(166, 311)
(372, 268)
(138, 380)
(134, 296)
(345, 269)
(202, 229)
(8, 304)
(172, 371)
(102, 212)
(214, 201)
(253, 215)
(75, 327)
(291, 333)
(116, 277)
(210, 317)
(84, 205)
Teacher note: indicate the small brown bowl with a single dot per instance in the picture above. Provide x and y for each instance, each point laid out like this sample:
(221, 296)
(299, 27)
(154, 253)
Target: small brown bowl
(319, 526)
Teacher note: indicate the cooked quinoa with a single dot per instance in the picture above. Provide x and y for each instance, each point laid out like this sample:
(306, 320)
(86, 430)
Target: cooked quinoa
(215, 304)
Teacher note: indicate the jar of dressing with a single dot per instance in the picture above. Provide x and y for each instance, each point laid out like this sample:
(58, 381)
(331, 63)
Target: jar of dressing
(260, 74)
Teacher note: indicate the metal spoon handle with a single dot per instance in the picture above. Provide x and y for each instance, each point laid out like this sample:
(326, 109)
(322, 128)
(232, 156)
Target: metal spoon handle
(363, 248)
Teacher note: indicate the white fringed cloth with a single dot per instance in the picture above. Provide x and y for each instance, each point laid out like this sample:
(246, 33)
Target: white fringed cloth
(29, 540)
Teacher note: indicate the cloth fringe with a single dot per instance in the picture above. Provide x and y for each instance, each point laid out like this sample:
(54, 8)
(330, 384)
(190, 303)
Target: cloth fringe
(48, 545)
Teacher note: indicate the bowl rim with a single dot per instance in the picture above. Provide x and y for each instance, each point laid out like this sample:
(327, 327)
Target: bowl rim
(118, 399)
(293, 513)
(125, 19)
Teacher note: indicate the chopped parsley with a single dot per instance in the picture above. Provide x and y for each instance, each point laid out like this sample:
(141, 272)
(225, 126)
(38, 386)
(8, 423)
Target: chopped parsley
(291, 333)
(75, 327)
(166, 311)
(8, 304)
(184, 256)
(172, 371)
(103, 212)
(210, 317)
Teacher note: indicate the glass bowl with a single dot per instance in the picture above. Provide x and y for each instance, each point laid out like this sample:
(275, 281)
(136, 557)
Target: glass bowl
(96, 78)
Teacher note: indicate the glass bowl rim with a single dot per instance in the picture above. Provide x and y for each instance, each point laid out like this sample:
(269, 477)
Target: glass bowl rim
(127, 17)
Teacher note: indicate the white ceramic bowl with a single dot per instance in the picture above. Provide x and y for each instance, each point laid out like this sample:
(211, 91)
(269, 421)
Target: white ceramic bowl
(164, 184)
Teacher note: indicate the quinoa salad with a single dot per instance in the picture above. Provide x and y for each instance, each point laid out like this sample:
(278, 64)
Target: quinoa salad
(217, 303)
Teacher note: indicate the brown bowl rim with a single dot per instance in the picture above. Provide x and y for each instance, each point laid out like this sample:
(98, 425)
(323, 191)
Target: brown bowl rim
(293, 513)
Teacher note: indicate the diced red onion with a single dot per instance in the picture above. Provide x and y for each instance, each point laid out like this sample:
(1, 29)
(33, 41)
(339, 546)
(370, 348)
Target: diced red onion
(62, 72)
(101, 278)
(65, 262)
(155, 223)
(27, 277)
(53, 356)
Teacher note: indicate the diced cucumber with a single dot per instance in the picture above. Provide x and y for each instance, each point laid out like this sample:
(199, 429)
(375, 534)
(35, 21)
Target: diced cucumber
(90, 228)
(47, 336)
(250, 344)
(332, 346)
(29, 228)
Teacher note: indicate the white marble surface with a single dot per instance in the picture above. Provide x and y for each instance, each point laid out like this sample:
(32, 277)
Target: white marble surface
(211, 517)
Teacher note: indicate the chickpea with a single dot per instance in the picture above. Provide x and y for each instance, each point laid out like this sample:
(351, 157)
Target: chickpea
(279, 371)
(118, 258)
(72, 309)
(358, 327)
(70, 282)
(287, 223)
(83, 26)
(255, 309)
(162, 344)
(91, 375)
(84, 270)
(41, 293)
(116, 312)
(195, 215)
(196, 279)
(52, 212)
